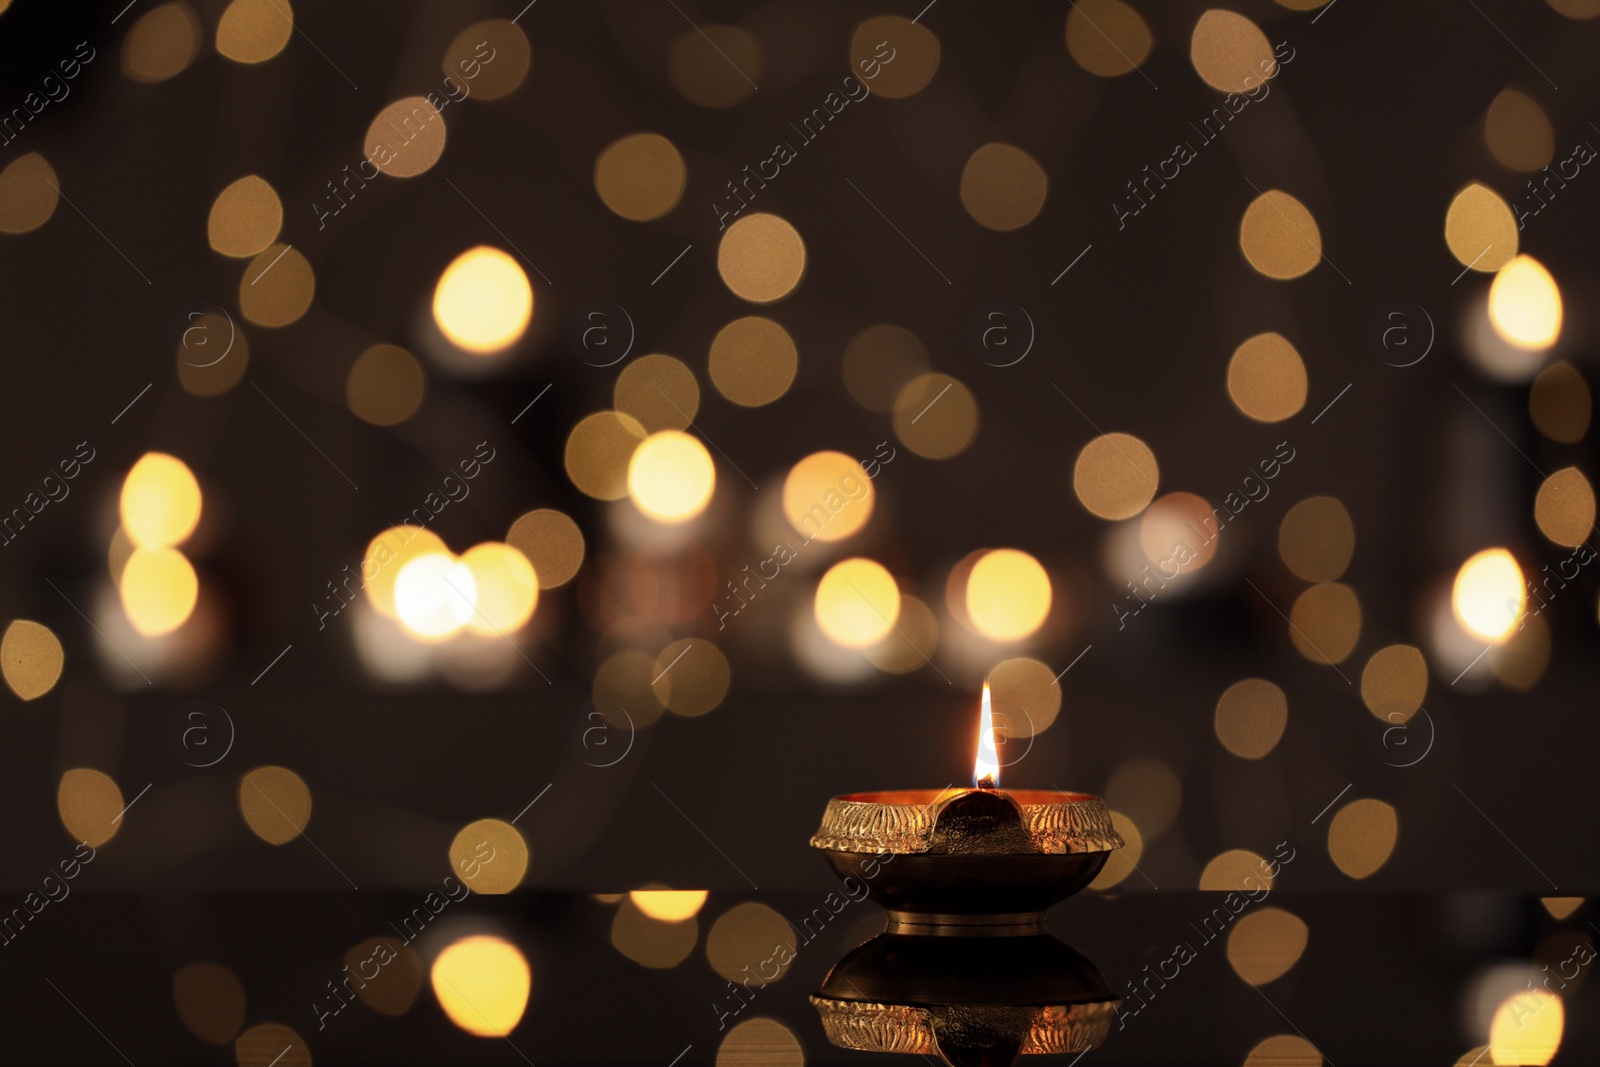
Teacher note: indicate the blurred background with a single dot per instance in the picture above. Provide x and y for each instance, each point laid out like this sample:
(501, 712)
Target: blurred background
(594, 435)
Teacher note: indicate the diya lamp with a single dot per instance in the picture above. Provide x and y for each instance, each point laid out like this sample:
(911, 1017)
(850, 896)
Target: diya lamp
(983, 860)
(971, 1001)
(965, 969)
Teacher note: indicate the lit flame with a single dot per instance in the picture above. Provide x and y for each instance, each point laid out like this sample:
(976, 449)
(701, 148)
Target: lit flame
(986, 767)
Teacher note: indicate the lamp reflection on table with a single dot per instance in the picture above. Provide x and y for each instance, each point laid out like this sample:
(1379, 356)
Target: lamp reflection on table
(972, 999)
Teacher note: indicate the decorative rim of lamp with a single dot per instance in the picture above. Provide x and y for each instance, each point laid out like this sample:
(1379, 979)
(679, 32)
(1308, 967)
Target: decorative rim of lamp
(872, 1027)
(905, 821)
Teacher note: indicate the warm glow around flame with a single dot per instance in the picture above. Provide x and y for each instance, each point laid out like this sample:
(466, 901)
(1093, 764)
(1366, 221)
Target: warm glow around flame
(987, 763)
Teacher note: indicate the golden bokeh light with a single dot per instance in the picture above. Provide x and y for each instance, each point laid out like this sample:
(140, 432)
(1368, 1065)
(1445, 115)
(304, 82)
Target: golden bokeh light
(253, 31)
(29, 193)
(715, 65)
(857, 603)
(1576, 9)
(1174, 533)
(641, 176)
(1284, 1050)
(159, 589)
(1008, 595)
(1480, 229)
(659, 945)
(761, 258)
(599, 453)
(385, 386)
(1250, 718)
(1002, 187)
(1279, 236)
(912, 642)
(1489, 595)
(489, 59)
(277, 287)
(406, 138)
(1325, 622)
(752, 936)
(1527, 1028)
(1125, 860)
(827, 496)
(90, 805)
(398, 981)
(1317, 539)
(1564, 508)
(1525, 304)
(1561, 907)
(1115, 476)
(386, 554)
(1394, 683)
(1149, 791)
(552, 542)
(659, 391)
(271, 1045)
(1230, 53)
(1518, 131)
(212, 355)
(624, 690)
(245, 218)
(1237, 869)
(507, 588)
(760, 1042)
(1267, 378)
(1107, 37)
(935, 416)
(160, 502)
(1559, 403)
(210, 1001)
(434, 595)
(894, 56)
(879, 361)
(162, 43)
(753, 361)
(1362, 836)
(117, 554)
(671, 477)
(691, 677)
(31, 658)
(668, 905)
(1265, 944)
(275, 803)
(483, 302)
(1520, 662)
(482, 984)
(489, 856)
(1025, 696)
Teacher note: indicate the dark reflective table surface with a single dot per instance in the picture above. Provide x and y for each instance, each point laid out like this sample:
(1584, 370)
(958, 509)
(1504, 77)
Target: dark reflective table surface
(1362, 978)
